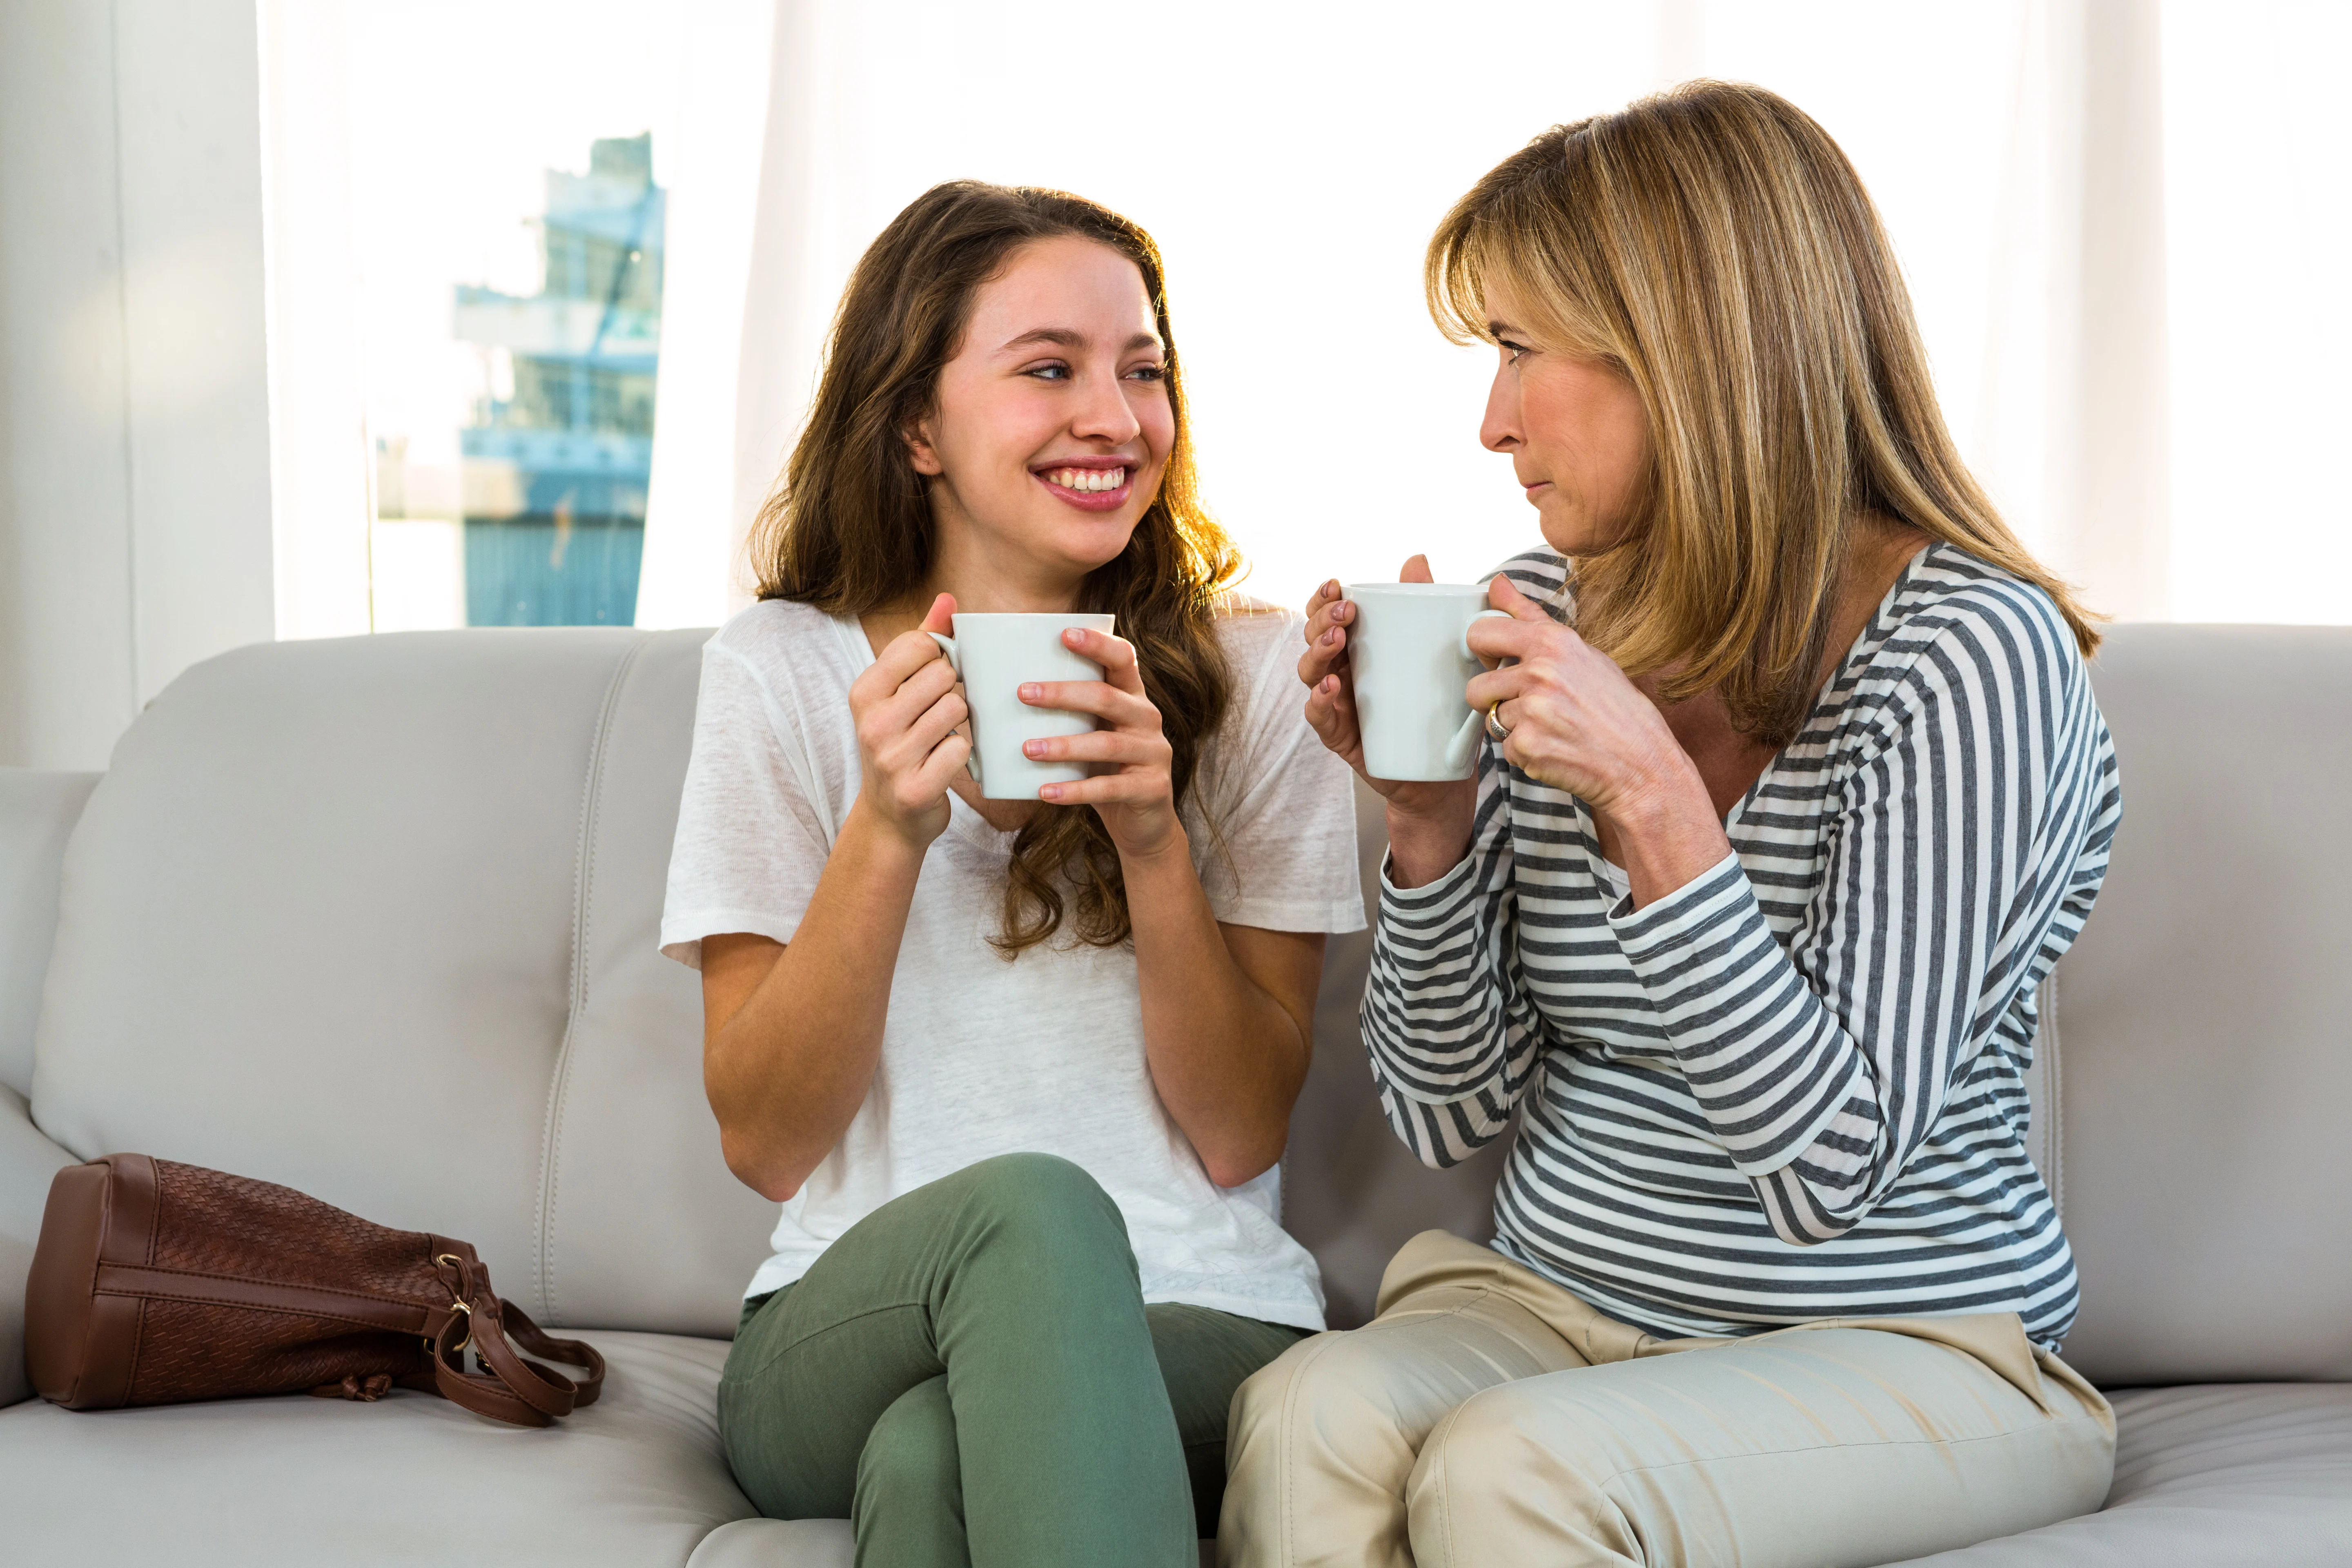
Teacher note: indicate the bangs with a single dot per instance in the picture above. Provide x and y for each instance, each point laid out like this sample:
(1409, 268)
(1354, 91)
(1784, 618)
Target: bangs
(1455, 279)
(1507, 233)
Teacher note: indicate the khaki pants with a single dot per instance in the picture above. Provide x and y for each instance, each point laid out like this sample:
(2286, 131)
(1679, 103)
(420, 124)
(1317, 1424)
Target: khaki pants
(1487, 1418)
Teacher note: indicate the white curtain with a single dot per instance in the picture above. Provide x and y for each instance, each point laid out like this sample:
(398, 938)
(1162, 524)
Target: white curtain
(1292, 161)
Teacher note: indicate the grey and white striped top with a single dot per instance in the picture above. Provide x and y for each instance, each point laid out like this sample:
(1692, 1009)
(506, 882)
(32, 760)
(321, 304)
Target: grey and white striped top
(1792, 1088)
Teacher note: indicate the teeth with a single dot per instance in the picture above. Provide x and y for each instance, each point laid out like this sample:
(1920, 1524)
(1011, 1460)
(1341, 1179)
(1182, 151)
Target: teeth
(1089, 480)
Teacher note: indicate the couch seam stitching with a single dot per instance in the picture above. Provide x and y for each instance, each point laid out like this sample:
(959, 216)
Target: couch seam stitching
(575, 999)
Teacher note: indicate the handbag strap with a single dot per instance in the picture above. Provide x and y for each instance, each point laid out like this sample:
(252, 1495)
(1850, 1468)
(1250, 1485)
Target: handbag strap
(515, 1390)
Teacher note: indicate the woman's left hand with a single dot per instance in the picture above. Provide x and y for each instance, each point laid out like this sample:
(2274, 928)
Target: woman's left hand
(1134, 795)
(1576, 723)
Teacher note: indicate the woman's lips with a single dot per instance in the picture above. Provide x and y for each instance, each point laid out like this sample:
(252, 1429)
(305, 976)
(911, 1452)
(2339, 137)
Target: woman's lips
(1089, 488)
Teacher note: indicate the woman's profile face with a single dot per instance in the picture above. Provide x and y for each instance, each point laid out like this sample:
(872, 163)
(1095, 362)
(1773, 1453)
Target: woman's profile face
(1052, 424)
(1573, 426)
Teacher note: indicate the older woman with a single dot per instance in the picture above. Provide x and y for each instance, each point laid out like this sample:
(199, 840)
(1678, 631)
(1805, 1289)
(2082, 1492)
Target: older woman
(1795, 792)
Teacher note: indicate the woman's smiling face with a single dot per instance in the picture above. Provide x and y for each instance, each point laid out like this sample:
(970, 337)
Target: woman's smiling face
(1052, 424)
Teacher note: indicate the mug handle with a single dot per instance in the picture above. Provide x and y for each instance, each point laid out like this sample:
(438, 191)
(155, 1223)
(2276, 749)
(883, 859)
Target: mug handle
(948, 648)
(1466, 739)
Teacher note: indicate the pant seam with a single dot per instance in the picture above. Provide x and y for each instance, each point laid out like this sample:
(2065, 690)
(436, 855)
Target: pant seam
(1628, 1470)
(814, 1334)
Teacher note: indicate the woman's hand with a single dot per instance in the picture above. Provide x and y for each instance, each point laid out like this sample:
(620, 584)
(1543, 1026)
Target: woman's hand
(907, 708)
(1578, 725)
(1429, 823)
(1136, 798)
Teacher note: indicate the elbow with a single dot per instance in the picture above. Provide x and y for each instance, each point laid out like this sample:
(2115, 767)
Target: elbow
(1803, 1217)
(1232, 1167)
(760, 1170)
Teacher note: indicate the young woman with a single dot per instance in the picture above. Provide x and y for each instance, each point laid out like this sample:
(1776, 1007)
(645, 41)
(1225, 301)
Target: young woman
(1795, 792)
(1019, 1072)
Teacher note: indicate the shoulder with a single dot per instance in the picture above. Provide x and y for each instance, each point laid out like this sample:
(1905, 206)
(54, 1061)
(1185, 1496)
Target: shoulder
(1544, 577)
(781, 644)
(1253, 633)
(778, 665)
(1949, 604)
(1261, 643)
(1959, 631)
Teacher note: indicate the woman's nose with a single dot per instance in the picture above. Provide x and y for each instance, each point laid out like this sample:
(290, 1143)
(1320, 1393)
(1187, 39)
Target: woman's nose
(1499, 430)
(1102, 413)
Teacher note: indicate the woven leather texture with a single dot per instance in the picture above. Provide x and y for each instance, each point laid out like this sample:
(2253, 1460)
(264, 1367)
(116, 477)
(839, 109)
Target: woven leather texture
(235, 1228)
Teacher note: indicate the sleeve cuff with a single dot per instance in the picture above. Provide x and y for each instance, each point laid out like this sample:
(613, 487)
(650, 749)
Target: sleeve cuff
(1716, 895)
(1336, 916)
(682, 934)
(1433, 900)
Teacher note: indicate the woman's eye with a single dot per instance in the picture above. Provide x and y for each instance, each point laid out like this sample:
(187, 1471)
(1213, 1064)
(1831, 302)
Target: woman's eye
(1511, 351)
(1148, 373)
(1055, 372)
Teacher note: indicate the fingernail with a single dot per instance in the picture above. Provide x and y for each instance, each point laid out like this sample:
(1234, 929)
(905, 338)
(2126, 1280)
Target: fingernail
(1033, 748)
(1031, 691)
(1344, 612)
(1330, 636)
(1074, 636)
(1049, 792)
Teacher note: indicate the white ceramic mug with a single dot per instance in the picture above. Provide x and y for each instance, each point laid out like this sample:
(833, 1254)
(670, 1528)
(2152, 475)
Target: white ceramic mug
(996, 656)
(1408, 656)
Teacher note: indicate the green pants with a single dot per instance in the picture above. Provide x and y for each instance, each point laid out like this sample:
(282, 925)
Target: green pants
(970, 1375)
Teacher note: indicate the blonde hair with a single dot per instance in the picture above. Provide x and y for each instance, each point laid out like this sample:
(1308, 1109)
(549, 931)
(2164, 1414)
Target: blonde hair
(1716, 246)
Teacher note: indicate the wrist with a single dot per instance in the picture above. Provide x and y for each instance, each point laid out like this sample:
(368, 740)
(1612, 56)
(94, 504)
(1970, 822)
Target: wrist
(1428, 838)
(1659, 804)
(1173, 848)
(872, 832)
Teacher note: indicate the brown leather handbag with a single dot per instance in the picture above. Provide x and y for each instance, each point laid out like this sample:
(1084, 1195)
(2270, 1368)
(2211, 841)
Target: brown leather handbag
(156, 1283)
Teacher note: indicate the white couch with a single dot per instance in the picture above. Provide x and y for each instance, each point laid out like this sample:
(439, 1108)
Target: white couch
(376, 919)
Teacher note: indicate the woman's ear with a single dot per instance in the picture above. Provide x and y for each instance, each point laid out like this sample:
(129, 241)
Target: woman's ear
(920, 450)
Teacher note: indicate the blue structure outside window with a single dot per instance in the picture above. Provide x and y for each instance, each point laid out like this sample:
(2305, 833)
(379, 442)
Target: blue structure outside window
(555, 474)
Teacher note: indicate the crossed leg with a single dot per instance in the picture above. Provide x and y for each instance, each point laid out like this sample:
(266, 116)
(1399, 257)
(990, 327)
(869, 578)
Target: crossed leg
(1488, 1418)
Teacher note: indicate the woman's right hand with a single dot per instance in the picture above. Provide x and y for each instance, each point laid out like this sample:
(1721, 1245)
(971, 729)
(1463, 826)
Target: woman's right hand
(907, 708)
(1429, 823)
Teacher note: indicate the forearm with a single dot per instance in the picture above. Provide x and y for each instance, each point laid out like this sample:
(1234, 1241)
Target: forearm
(1226, 1055)
(1446, 1022)
(787, 1072)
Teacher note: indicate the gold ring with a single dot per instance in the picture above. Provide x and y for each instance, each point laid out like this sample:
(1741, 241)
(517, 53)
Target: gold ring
(1494, 729)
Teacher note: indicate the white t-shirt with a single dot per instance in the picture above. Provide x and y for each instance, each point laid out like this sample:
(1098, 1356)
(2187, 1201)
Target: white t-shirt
(1042, 1053)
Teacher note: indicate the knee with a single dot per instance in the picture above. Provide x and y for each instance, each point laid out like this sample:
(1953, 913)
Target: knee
(1332, 1392)
(1494, 1452)
(1040, 1192)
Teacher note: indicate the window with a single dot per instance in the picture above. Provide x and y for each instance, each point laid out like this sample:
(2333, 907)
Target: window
(509, 224)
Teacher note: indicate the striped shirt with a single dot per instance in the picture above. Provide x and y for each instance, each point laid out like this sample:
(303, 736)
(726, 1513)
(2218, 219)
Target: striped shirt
(1792, 1088)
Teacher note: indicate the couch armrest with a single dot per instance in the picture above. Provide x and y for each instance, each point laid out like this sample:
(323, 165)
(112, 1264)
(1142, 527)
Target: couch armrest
(37, 813)
(27, 1163)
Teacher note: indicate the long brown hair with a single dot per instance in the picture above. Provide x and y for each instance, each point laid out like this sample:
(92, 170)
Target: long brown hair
(848, 528)
(1716, 246)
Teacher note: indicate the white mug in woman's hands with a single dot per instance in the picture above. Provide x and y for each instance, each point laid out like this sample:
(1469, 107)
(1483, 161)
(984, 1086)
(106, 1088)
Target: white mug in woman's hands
(995, 655)
(1411, 665)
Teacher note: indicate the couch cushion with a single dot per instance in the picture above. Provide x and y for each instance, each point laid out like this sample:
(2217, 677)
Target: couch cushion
(375, 918)
(636, 1478)
(2206, 1055)
(2244, 1473)
(642, 1223)
(775, 1542)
